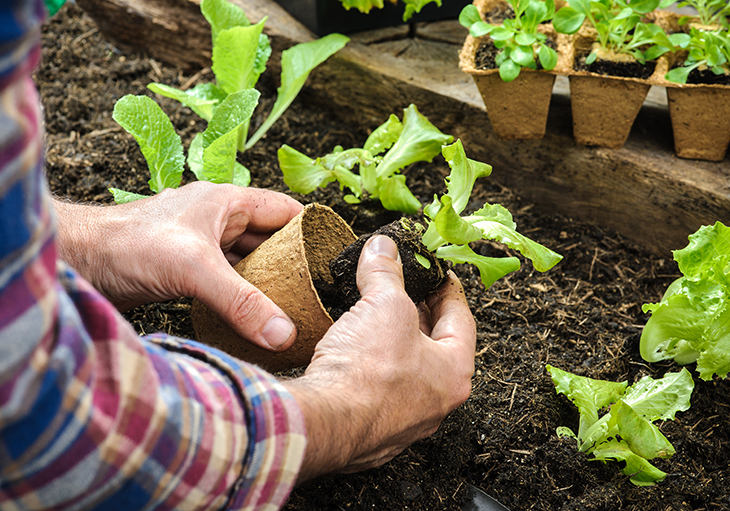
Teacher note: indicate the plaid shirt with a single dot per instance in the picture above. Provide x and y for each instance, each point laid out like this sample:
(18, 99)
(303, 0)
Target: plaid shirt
(91, 415)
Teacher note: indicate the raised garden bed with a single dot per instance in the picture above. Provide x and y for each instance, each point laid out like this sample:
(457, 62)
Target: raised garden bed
(584, 316)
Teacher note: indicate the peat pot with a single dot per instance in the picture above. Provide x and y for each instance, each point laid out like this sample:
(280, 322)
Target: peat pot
(285, 267)
(700, 121)
(516, 109)
(604, 108)
(326, 16)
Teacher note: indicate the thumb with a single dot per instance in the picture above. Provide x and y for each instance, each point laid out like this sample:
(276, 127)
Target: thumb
(249, 312)
(379, 265)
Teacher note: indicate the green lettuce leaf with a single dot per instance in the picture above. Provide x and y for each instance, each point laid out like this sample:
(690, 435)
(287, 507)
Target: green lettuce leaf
(201, 99)
(234, 67)
(690, 323)
(415, 6)
(491, 269)
(303, 174)
(639, 470)
(363, 6)
(395, 195)
(223, 15)
(122, 197)
(296, 65)
(155, 134)
(419, 141)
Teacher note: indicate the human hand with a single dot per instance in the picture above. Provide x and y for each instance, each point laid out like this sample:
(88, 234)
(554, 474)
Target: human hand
(182, 242)
(384, 375)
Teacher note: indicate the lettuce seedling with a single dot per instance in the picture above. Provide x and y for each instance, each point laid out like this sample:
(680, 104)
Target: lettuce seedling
(626, 431)
(388, 150)
(412, 6)
(240, 54)
(518, 39)
(705, 50)
(709, 12)
(618, 25)
(691, 323)
(448, 234)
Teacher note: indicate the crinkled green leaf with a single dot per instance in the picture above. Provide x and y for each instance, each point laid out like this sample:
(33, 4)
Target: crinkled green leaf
(384, 136)
(463, 175)
(394, 195)
(491, 269)
(643, 437)
(303, 174)
(415, 6)
(241, 175)
(296, 64)
(155, 134)
(639, 470)
(122, 197)
(236, 57)
(219, 158)
(452, 227)
(231, 114)
(419, 141)
(363, 6)
(661, 399)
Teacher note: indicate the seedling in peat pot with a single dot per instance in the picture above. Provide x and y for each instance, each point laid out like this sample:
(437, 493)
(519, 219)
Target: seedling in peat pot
(240, 54)
(520, 42)
(709, 50)
(447, 236)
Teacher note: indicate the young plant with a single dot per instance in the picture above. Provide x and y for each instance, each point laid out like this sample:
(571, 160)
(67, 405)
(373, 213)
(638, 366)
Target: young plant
(387, 151)
(520, 42)
(691, 323)
(626, 431)
(618, 26)
(709, 50)
(710, 12)
(448, 234)
(240, 54)
(412, 6)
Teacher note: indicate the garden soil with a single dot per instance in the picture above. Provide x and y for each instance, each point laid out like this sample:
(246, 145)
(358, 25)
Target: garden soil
(583, 316)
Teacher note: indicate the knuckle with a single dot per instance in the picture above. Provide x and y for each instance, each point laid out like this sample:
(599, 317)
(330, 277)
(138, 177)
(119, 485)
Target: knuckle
(245, 306)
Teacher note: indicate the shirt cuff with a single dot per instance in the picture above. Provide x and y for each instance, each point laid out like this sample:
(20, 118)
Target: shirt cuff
(275, 425)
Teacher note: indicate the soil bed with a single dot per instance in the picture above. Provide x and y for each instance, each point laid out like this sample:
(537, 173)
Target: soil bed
(583, 316)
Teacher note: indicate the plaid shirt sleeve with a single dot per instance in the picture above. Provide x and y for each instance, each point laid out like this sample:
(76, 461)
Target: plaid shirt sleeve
(91, 415)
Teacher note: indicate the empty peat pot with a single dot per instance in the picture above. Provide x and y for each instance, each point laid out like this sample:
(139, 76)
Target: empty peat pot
(284, 268)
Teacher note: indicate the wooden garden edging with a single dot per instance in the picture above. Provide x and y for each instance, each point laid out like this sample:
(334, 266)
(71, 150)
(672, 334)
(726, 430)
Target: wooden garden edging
(641, 190)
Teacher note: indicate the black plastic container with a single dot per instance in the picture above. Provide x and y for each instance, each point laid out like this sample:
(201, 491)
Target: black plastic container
(326, 16)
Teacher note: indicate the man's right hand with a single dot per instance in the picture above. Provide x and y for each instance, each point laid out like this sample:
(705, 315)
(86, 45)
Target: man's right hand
(386, 374)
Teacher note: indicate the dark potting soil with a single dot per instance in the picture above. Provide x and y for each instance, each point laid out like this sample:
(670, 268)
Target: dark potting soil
(583, 316)
(707, 77)
(420, 279)
(611, 68)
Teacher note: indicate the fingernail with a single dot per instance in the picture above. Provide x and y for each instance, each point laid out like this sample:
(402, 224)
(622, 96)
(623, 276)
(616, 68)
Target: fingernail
(277, 331)
(383, 245)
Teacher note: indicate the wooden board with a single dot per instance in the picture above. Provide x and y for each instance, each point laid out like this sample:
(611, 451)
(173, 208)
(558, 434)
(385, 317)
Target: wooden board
(641, 190)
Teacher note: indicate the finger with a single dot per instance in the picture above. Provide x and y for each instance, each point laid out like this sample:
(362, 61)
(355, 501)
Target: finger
(452, 319)
(266, 211)
(424, 318)
(379, 265)
(247, 310)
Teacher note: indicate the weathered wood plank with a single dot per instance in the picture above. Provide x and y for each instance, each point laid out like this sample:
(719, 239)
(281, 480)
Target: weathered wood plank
(641, 190)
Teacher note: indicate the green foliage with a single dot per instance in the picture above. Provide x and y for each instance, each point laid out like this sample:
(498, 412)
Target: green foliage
(618, 25)
(240, 54)
(691, 323)
(388, 150)
(448, 234)
(412, 6)
(520, 43)
(705, 50)
(710, 12)
(626, 431)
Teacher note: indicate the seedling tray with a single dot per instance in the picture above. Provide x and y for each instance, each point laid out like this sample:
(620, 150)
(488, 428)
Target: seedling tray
(326, 16)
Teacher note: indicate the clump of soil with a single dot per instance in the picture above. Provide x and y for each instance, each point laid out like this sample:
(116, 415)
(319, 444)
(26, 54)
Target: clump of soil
(421, 277)
(582, 316)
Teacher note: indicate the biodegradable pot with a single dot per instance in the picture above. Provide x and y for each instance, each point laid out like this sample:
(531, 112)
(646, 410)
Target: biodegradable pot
(604, 108)
(700, 121)
(284, 267)
(516, 109)
(326, 16)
